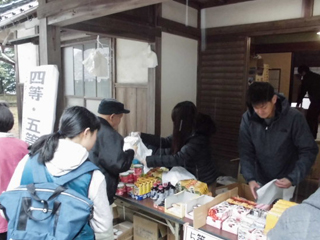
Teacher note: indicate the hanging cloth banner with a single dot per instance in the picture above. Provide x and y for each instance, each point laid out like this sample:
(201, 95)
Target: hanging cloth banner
(39, 102)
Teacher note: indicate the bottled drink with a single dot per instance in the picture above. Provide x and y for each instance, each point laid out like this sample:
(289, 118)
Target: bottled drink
(161, 197)
(154, 190)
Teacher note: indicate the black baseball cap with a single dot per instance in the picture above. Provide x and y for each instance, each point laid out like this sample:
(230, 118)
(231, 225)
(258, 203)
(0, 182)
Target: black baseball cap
(110, 106)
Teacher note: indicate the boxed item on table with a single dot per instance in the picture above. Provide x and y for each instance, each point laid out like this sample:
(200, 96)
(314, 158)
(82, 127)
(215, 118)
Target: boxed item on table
(258, 234)
(245, 231)
(201, 212)
(230, 225)
(239, 212)
(194, 203)
(175, 204)
(218, 214)
(274, 214)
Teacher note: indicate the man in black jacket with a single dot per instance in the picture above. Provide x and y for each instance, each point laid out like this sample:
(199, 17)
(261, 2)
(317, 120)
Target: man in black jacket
(311, 85)
(275, 141)
(107, 152)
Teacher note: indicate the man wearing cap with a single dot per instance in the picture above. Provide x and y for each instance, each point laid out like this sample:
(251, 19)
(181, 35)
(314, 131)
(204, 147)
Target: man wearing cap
(107, 152)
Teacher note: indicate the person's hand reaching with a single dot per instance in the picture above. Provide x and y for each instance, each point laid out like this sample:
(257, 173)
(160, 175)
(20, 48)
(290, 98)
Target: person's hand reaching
(283, 183)
(253, 186)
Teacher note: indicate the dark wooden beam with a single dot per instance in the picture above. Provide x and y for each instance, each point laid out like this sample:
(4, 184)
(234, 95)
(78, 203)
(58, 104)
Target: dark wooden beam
(63, 13)
(112, 27)
(178, 29)
(268, 28)
(287, 47)
(307, 8)
(190, 4)
(220, 3)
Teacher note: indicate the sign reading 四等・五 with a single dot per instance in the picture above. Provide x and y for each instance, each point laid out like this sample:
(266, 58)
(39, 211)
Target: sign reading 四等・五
(39, 102)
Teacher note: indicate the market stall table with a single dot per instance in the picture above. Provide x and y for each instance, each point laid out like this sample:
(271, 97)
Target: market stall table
(174, 223)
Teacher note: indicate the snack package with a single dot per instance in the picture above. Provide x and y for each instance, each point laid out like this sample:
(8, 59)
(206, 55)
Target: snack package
(239, 212)
(217, 214)
(230, 225)
(193, 186)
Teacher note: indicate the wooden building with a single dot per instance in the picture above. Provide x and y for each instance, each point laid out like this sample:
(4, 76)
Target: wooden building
(203, 49)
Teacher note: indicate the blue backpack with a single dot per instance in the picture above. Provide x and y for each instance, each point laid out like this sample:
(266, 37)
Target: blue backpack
(46, 209)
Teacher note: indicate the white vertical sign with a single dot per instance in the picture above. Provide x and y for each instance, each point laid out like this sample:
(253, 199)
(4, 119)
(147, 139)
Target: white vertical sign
(193, 234)
(39, 102)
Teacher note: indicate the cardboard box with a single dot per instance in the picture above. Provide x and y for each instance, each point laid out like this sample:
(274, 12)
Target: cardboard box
(200, 213)
(197, 201)
(181, 200)
(126, 228)
(146, 229)
(115, 211)
(243, 190)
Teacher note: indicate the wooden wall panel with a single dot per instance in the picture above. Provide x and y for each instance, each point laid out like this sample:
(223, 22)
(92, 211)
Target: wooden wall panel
(221, 93)
(134, 98)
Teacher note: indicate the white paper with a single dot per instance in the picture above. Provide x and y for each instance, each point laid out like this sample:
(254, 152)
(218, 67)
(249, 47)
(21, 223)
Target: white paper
(270, 192)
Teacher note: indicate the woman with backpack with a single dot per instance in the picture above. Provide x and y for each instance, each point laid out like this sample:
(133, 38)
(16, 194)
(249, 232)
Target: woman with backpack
(12, 151)
(63, 152)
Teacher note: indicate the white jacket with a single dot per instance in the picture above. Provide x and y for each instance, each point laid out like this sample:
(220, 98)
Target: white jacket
(69, 156)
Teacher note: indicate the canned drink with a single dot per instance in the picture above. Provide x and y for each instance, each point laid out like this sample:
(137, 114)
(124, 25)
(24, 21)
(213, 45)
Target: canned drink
(138, 169)
(130, 176)
(129, 188)
(135, 177)
(120, 189)
(124, 177)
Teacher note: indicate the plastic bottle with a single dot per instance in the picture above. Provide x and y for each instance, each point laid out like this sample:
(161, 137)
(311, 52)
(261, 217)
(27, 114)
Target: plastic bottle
(172, 189)
(161, 197)
(154, 190)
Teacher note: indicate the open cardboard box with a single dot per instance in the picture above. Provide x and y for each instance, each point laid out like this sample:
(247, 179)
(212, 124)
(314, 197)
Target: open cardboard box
(181, 200)
(144, 228)
(127, 230)
(197, 201)
(243, 190)
(237, 189)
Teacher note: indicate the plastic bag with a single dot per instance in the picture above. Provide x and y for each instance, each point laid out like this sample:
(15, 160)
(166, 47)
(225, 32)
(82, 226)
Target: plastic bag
(132, 142)
(96, 64)
(177, 174)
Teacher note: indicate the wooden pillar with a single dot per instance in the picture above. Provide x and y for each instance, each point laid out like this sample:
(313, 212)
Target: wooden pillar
(307, 8)
(50, 54)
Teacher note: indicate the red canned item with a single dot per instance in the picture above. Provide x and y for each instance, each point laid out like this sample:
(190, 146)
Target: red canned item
(129, 188)
(130, 176)
(138, 169)
(120, 189)
(135, 177)
(124, 177)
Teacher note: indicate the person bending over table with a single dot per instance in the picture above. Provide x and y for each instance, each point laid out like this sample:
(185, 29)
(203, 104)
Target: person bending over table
(188, 146)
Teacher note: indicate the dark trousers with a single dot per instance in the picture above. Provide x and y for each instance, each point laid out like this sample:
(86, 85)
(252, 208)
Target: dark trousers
(312, 117)
(3, 236)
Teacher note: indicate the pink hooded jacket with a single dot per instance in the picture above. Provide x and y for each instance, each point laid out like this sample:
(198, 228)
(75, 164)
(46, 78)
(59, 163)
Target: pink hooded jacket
(12, 150)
